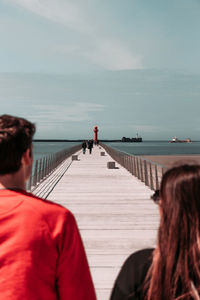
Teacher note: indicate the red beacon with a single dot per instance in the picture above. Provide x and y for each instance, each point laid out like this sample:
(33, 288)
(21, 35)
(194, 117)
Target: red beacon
(96, 133)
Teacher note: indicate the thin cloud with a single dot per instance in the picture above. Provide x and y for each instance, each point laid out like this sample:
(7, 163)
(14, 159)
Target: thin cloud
(107, 53)
(114, 55)
(64, 12)
(77, 112)
(149, 128)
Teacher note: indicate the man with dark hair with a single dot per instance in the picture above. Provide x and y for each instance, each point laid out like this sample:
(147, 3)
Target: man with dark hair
(41, 252)
(15, 139)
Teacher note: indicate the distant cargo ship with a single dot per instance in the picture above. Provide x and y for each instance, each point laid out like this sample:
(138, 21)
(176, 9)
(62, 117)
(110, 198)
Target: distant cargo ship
(137, 139)
(176, 140)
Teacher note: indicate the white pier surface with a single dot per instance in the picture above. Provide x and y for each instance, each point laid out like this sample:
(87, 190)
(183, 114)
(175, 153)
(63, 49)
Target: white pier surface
(114, 214)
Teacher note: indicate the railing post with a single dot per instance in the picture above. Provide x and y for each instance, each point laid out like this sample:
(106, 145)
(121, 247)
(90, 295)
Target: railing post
(137, 171)
(125, 158)
(35, 173)
(128, 161)
(141, 168)
(43, 167)
(40, 171)
(139, 177)
(156, 175)
(151, 177)
(134, 165)
(48, 159)
(136, 168)
(146, 173)
(46, 167)
(131, 159)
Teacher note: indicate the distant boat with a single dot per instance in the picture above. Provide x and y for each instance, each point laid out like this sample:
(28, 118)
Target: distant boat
(176, 140)
(137, 139)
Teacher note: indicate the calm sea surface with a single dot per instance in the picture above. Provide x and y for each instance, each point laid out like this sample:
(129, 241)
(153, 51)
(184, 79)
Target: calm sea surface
(41, 149)
(158, 148)
(145, 148)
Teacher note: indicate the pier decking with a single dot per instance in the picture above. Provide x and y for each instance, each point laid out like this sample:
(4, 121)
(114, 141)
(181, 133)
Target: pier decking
(113, 211)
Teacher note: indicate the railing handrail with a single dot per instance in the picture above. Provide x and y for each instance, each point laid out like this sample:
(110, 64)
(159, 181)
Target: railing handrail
(44, 166)
(140, 156)
(144, 169)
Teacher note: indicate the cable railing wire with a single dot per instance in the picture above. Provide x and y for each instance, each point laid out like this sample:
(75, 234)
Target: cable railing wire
(145, 170)
(46, 165)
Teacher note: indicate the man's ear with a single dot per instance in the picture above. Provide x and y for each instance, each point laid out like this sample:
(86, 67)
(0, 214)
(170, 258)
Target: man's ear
(27, 157)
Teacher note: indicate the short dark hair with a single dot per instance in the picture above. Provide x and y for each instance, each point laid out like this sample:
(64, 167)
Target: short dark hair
(15, 138)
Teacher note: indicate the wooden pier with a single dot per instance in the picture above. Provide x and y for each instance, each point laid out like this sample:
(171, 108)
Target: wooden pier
(113, 210)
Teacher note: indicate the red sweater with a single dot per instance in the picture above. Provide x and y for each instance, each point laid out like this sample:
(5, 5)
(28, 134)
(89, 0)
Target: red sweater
(41, 252)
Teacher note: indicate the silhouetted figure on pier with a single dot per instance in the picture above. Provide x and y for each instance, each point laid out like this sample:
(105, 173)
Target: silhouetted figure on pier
(84, 146)
(41, 251)
(96, 142)
(172, 270)
(90, 146)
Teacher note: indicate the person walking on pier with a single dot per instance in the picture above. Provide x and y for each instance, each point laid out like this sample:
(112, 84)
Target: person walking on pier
(171, 271)
(84, 146)
(90, 146)
(41, 251)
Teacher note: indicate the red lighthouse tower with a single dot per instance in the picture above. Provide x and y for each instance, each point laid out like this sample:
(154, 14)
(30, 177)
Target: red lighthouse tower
(96, 133)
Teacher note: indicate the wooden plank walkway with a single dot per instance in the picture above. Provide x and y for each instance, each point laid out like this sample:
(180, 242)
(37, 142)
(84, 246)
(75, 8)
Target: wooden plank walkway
(113, 211)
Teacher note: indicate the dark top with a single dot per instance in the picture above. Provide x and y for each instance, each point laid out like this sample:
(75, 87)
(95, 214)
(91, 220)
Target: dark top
(90, 144)
(84, 145)
(129, 283)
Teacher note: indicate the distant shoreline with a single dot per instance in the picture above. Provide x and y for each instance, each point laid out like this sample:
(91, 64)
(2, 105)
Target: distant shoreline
(103, 141)
(80, 140)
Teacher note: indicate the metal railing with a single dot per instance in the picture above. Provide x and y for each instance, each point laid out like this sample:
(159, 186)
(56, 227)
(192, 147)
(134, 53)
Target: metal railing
(44, 166)
(147, 171)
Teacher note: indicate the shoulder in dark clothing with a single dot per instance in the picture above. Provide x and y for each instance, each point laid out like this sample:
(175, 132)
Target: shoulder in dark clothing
(131, 277)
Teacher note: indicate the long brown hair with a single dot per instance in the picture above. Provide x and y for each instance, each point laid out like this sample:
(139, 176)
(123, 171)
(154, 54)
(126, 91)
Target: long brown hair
(175, 270)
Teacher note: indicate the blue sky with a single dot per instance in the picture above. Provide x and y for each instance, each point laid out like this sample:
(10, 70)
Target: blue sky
(127, 66)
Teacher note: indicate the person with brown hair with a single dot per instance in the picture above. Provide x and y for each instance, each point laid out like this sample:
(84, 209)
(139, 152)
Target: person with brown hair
(41, 251)
(171, 271)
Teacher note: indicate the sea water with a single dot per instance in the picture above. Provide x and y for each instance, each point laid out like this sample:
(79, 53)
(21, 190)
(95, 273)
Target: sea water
(158, 148)
(42, 149)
